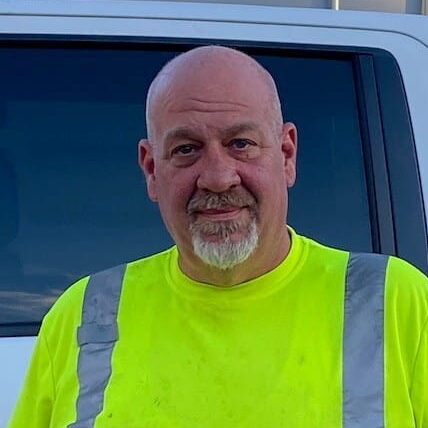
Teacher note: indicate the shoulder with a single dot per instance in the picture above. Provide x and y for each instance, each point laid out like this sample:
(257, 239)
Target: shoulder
(155, 264)
(400, 270)
(406, 287)
(66, 314)
(405, 284)
(312, 246)
(319, 258)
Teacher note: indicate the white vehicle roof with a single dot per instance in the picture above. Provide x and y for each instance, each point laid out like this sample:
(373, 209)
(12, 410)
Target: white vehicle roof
(400, 6)
(413, 26)
(394, 6)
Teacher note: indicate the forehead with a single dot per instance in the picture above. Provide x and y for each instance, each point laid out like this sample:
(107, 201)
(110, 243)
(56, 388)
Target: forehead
(196, 118)
(211, 89)
(204, 107)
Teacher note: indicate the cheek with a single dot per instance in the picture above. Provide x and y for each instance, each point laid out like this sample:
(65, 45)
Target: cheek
(258, 180)
(268, 186)
(174, 192)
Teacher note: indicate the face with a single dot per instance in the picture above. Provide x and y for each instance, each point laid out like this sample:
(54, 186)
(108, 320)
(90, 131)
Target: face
(219, 169)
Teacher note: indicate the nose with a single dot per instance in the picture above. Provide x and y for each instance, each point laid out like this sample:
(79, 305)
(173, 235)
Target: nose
(218, 172)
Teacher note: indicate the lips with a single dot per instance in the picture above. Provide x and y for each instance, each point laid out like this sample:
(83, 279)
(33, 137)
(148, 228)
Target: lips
(224, 213)
(219, 210)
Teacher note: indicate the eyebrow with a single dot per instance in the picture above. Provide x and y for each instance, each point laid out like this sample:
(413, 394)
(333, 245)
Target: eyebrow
(241, 127)
(190, 133)
(181, 133)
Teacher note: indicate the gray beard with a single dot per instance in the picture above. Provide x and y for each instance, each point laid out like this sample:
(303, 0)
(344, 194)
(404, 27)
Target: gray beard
(224, 254)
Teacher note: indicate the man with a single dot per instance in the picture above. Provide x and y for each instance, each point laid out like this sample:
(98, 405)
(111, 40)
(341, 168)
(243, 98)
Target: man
(244, 323)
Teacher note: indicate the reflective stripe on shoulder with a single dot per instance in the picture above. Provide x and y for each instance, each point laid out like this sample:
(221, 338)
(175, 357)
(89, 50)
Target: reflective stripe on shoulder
(96, 338)
(363, 341)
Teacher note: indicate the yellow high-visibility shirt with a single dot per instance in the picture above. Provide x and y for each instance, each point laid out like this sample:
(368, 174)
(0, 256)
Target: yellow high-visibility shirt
(265, 353)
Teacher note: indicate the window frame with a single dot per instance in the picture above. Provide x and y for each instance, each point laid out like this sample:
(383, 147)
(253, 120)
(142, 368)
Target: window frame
(394, 191)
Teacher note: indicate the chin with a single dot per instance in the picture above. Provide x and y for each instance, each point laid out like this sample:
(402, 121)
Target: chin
(226, 249)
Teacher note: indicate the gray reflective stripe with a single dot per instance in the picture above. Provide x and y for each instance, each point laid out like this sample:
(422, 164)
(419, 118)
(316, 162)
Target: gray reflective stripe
(363, 344)
(96, 337)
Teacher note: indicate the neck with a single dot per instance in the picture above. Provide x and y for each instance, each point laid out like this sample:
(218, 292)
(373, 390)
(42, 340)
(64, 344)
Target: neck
(266, 257)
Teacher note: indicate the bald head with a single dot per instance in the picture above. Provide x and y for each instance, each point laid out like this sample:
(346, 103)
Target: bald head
(213, 73)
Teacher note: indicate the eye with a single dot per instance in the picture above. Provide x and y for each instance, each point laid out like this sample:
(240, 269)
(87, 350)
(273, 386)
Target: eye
(241, 143)
(185, 149)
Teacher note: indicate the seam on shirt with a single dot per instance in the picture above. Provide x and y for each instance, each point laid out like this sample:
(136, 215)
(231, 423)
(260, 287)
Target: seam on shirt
(51, 365)
(424, 327)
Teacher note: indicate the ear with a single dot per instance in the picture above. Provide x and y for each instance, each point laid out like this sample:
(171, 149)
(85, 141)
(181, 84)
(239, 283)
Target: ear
(289, 150)
(147, 164)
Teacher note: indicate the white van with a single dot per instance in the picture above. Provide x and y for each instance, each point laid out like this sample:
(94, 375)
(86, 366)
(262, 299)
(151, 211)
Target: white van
(73, 81)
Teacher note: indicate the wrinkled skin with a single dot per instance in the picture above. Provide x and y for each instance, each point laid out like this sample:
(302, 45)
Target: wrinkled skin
(215, 129)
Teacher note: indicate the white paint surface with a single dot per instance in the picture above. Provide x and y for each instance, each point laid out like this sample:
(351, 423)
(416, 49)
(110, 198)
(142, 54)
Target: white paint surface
(15, 354)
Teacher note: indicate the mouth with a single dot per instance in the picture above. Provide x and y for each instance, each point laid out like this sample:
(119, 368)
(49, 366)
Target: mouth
(220, 214)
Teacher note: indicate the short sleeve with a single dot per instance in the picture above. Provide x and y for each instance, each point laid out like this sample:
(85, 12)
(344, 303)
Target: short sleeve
(34, 406)
(419, 386)
(406, 345)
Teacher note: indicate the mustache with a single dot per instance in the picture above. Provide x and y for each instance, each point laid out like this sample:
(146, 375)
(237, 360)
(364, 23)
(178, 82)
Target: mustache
(209, 200)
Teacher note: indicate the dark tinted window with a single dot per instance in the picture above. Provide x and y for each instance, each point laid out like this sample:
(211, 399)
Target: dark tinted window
(72, 198)
(329, 200)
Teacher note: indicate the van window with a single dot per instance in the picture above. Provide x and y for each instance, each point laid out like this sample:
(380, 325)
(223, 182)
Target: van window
(72, 197)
